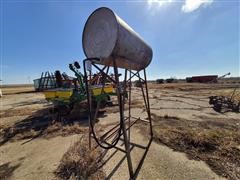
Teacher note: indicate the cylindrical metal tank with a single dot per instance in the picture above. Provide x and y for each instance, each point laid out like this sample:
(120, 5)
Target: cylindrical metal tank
(107, 36)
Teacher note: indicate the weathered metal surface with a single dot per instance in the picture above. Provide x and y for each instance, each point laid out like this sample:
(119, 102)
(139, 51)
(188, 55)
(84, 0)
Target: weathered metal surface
(107, 36)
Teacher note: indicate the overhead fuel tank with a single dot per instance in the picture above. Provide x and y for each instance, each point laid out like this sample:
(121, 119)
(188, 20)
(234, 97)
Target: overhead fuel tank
(106, 36)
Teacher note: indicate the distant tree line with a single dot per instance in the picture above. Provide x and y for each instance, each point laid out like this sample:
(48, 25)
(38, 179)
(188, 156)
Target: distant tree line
(169, 80)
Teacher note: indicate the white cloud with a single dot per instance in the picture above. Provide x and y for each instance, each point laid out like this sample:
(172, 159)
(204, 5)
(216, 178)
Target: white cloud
(188, 5)
(157, 3)
(192, 5)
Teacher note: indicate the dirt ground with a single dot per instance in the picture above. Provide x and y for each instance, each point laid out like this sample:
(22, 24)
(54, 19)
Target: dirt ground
(32, 144)
(15, 89)
(28, 153)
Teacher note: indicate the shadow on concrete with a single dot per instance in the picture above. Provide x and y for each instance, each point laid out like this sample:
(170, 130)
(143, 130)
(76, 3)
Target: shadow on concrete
(6, 170)
(45, 123)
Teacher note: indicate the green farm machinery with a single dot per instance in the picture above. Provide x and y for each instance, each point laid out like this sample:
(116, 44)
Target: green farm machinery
(65, 98)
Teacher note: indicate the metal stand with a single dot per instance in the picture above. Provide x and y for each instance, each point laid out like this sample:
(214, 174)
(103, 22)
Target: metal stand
(126, 122)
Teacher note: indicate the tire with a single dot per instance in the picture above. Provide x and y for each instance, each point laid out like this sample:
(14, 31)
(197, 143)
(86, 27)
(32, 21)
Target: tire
(217, 107)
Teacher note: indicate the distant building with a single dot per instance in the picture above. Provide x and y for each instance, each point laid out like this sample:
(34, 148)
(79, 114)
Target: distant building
(203, 79)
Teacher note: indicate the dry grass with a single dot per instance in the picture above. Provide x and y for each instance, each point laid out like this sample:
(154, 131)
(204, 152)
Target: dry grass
(20, 112)
(51, 131)
(229, 93)
(47, 131)
(192, 86)
(213, 141)
(135, 103)
(41, 123)
(17, 89)
(81, 163)
(58, 129)
(178, 86)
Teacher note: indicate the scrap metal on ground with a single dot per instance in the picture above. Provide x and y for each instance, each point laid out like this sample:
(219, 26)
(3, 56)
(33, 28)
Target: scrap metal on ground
(223, 103)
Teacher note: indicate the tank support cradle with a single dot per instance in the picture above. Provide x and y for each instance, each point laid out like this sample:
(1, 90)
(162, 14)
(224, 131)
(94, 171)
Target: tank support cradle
(121, 131)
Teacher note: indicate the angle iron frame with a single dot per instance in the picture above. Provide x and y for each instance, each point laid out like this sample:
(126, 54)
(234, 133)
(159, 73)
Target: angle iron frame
(119, 129)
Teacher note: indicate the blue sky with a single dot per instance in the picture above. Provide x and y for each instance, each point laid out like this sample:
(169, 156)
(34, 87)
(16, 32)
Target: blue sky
(188, 37)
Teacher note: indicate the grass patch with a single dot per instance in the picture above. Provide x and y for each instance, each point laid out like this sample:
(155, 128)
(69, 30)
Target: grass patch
(229, 93)
(135, 103)
(42, 123)
(81, 163)
(20, 112)
(47, 130)
(214, 141)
